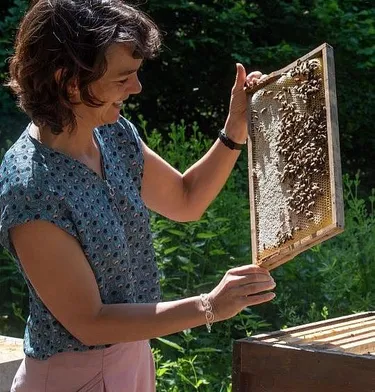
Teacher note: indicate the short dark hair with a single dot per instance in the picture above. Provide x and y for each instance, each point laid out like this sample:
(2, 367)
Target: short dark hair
(72, 36)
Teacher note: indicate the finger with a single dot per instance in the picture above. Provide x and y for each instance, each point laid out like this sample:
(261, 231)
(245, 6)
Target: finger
(258, 299)
(253, 76)
(264, 76)
(240, 77)
(241, 280)
(248, 269)
(253, 288)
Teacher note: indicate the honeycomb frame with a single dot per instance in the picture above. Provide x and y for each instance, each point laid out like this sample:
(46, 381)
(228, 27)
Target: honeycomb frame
(280, 231)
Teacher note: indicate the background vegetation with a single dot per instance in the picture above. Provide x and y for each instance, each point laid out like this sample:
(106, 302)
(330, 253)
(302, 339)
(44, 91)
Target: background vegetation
(183, 104)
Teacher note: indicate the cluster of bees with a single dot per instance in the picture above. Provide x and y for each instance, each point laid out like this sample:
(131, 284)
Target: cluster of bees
(302, 140)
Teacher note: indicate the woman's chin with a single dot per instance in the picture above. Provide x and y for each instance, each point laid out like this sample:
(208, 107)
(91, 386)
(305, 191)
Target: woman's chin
(113, 115)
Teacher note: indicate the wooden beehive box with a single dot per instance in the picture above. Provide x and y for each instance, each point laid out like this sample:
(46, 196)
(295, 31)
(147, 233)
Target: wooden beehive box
(336, 355)
(294, 159)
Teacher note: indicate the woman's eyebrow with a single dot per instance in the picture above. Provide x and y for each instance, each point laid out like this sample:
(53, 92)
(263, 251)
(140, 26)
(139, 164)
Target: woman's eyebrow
(124, 73)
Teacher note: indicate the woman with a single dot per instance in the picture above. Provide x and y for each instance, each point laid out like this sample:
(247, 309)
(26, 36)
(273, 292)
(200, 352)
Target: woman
(75, 192)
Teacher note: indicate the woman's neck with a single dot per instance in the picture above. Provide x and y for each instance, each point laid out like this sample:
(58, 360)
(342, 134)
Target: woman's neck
(77, 144)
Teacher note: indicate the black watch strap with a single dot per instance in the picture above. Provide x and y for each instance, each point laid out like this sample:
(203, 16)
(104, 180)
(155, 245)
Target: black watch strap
(229, 142)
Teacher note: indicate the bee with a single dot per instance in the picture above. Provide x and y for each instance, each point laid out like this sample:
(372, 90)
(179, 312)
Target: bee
(309, 215)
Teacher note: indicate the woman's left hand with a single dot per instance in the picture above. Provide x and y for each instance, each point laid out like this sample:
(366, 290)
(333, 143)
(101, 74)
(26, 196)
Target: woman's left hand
(236, 124)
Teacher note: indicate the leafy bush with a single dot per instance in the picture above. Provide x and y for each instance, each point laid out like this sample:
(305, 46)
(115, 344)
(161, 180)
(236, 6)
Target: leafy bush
(13, 297)
(8, 27)
(12, 120)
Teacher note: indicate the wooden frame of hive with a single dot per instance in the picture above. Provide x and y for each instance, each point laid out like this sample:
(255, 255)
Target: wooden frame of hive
(331, 355)
(277, 255)
(354, 334)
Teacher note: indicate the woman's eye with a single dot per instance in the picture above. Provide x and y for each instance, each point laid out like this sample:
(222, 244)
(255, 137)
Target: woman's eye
(123, 81)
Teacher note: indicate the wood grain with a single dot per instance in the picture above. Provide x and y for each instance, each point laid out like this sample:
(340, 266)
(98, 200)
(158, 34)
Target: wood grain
(296, 360)
(333, 137)
(265, 368)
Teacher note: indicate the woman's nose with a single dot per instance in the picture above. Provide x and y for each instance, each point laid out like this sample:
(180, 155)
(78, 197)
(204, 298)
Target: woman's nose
(137, 86)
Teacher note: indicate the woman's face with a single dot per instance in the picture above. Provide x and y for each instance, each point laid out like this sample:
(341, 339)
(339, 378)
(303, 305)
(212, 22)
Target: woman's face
(114, 87)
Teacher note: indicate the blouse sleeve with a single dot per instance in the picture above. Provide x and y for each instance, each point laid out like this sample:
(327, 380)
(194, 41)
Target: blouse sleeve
(21, 204)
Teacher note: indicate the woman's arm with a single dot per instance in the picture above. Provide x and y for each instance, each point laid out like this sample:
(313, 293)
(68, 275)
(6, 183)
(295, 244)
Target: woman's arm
(61, 275)
(185, 197)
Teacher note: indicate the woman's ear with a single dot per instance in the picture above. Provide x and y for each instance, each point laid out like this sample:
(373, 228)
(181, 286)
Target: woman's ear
(73, 90)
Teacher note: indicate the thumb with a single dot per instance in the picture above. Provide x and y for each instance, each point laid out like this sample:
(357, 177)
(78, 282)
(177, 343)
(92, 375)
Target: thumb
(240, 77)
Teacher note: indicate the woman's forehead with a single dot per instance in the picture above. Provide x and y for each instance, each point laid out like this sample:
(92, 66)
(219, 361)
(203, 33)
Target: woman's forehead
(120, 60)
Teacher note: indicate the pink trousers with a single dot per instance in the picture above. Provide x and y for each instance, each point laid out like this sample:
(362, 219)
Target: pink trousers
(123, 367)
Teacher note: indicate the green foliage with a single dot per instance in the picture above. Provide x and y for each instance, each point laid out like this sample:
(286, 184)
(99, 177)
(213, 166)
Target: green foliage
(198, 57)
(349, 267)
(180, 150)
(8, 27)
(13, 297)
(3, 150)
(12, 121)
(349, 26)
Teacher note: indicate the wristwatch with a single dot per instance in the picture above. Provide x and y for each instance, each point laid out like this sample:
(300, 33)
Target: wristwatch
(229, 142)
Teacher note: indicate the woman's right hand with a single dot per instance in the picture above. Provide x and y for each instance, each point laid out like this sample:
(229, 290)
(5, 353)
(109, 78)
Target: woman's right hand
(241, 287)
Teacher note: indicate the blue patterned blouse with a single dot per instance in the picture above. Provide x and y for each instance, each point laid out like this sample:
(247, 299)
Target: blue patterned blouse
(107, 217)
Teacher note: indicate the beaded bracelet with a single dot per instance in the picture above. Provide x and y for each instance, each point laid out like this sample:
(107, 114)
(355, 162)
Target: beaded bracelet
(209, 313)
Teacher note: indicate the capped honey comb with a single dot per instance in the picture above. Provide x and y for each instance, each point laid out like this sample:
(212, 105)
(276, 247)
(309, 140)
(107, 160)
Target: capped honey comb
(294, 159)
